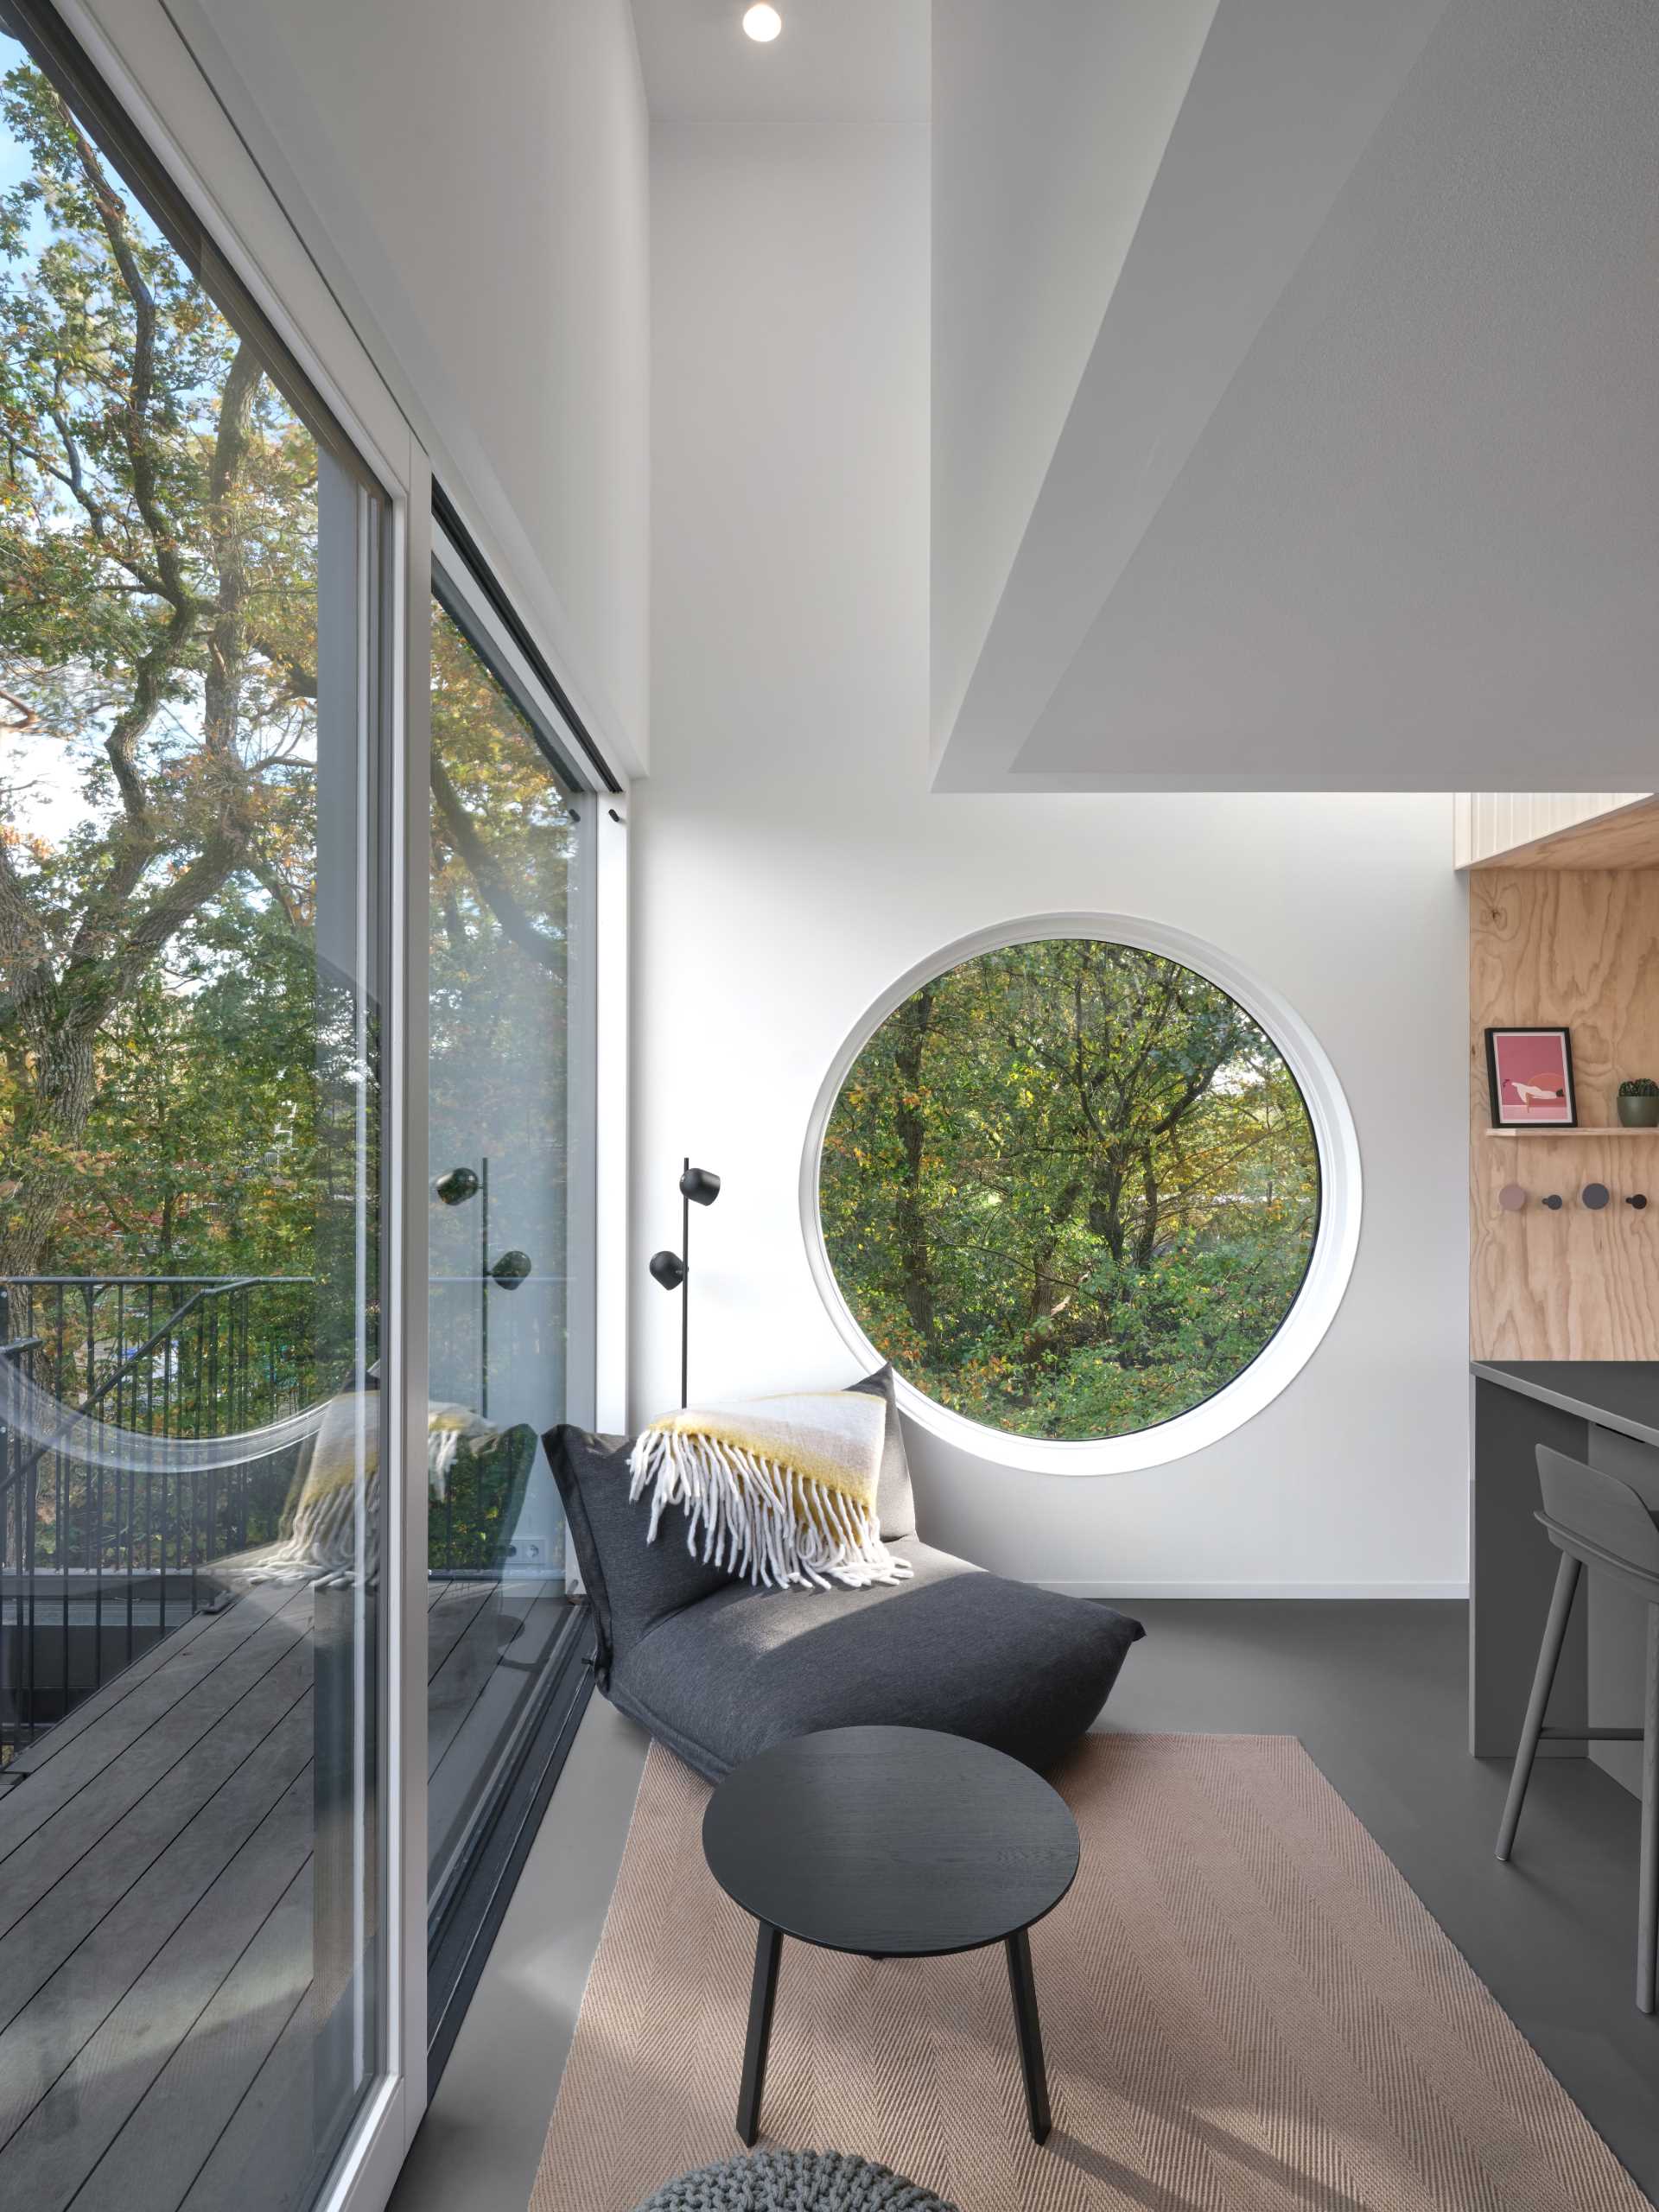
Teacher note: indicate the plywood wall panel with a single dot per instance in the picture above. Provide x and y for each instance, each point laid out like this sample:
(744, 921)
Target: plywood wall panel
(1578, 947)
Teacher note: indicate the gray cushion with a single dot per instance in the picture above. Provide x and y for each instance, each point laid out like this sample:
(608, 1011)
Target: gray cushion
(895, 1502)
(633, 1583)
(1020, 1668)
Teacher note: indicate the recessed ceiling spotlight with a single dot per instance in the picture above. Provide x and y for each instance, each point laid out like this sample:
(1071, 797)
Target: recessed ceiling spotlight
(762, 23)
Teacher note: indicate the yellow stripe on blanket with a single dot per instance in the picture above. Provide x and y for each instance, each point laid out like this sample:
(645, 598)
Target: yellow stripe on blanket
(782, 1490)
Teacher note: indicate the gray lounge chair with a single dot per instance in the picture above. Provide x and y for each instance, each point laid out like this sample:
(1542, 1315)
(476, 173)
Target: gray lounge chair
(719, 1671)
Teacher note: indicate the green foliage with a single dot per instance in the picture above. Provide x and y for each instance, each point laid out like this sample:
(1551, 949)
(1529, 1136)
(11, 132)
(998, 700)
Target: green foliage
(183, 1088)
(1070, 1189)
(1640, 1086)
(178, 1079)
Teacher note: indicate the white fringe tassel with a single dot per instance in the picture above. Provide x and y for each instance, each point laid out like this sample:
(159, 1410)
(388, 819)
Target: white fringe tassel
(760, 1519)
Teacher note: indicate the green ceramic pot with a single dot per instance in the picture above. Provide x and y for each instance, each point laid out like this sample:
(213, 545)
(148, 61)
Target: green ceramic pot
(1639, 1113)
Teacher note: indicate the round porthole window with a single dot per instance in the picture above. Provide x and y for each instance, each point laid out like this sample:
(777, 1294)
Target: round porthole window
(1093, 1192)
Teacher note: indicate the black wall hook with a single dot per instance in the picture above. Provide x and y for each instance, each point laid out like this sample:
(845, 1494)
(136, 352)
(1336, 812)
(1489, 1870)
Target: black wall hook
(1595, 1196)
(1554, 1201)
(1638, 1199)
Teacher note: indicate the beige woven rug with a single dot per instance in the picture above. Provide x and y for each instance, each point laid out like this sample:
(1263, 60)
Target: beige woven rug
(1243, 2005)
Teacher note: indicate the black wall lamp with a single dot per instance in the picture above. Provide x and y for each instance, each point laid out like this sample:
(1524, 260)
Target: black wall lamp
(699, 1186)
(459, 1187)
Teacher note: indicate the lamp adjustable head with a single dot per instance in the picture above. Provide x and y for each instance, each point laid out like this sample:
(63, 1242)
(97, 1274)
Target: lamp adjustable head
(667, 1268)
(701, 1185)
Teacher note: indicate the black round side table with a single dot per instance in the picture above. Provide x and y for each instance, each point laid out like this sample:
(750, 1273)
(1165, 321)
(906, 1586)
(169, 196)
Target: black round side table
(896, 1843)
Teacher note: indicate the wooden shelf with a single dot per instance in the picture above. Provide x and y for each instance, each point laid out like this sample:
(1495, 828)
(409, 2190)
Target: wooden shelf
(1561, 1129)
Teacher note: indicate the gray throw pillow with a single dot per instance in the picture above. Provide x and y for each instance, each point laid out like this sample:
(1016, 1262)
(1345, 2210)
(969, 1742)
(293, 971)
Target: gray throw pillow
(632, 1585)
(895, 1502)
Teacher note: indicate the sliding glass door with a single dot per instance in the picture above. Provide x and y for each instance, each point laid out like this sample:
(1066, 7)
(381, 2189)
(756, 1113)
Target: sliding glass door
(193, 1026)
(511, 1123)
(285, 1635)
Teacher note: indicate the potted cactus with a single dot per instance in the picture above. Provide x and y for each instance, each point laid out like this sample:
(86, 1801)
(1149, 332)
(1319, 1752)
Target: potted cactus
(1639, 1102)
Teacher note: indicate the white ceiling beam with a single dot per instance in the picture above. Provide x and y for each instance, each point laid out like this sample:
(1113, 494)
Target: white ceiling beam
(1285, 98)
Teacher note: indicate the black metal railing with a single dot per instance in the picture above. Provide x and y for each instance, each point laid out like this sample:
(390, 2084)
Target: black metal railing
(100, 1558)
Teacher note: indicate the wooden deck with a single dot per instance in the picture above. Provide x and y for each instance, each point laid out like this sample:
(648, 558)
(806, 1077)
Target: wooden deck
(158, 2044)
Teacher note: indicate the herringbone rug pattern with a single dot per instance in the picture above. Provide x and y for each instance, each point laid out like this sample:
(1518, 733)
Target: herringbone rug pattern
(1244, 2006)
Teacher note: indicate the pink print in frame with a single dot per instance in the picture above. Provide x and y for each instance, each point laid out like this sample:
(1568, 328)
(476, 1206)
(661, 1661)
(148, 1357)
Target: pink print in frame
(1530, 1071)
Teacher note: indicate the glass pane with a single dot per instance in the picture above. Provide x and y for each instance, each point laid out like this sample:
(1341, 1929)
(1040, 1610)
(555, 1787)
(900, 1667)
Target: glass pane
(508, 1157)
(1070, 1189)
(189, 1220)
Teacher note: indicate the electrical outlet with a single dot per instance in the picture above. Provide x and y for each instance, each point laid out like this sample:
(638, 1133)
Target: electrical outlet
(527, 1550)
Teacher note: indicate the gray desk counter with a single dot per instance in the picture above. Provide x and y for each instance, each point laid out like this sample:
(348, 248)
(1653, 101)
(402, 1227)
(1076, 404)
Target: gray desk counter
(1606, 1412)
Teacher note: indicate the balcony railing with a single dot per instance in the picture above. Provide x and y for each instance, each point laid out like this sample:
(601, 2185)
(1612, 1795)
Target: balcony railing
(105, 1545)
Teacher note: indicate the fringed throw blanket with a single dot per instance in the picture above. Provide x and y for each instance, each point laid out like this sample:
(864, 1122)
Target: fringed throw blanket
(324, 1535)
(783, 1490)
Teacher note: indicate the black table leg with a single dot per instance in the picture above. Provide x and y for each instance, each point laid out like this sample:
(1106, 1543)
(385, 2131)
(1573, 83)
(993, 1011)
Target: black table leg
(768, 1944)
(1031, 2034)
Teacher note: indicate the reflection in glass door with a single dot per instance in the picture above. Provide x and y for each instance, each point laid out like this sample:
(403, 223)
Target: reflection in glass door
(190, 1029)
(511, 1153)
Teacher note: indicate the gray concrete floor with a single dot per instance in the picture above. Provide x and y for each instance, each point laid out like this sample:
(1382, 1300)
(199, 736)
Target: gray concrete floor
(481, 2142)
(1376, 1692)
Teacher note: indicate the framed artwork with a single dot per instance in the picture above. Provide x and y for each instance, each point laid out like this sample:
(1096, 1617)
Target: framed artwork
(1530, 1071)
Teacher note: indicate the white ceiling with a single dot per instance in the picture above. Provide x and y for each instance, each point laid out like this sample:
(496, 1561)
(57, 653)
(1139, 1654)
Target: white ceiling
(1358, 487)
(835, 61)
(1030, 233)
(1295, 419)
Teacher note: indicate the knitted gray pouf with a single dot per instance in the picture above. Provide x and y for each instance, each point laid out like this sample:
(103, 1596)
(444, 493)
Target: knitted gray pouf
(794, 2181)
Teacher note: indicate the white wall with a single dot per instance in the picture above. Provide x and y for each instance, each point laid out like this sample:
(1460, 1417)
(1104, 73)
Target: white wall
(473, 182)
(789, 862)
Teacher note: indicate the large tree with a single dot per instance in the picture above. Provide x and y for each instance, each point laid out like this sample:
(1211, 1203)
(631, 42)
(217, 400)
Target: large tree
(157, 635)
(1071, 1187)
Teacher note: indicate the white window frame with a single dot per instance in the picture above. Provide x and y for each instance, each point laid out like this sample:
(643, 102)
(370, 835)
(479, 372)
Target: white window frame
(1335, 1246)
(142, 54)
(137, 49)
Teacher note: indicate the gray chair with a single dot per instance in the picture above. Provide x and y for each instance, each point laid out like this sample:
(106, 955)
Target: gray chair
(1595, 1520)
(719, 1671)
